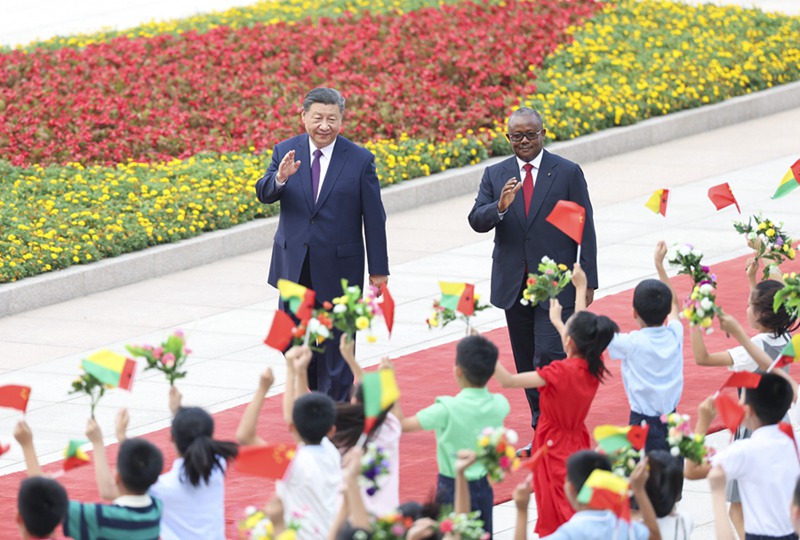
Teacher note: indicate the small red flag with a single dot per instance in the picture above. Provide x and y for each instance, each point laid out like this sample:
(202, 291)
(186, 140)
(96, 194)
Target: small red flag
(569, 218)
(533, 463)
(742, 379)
(306, 309)
(387, 307)
(4, 448)
(466, 304)
(722, 196)
(267, 461)
(15, 396)
(638, 436)
(730, 411)
(280, 334)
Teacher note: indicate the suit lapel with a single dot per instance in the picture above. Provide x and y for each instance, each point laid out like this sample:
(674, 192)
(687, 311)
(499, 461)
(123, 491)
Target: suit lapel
(302, 154)
(544, 181)
(338, 159)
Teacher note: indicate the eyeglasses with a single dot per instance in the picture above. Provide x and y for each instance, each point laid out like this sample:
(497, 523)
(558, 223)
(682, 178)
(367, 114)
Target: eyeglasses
(517, 137)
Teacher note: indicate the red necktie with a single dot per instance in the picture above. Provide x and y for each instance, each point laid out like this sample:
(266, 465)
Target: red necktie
(527, 187)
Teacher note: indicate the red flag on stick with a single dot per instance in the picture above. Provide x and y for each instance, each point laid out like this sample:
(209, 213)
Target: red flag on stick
(568, 217)
(387, 307)
(722, 197)
(730, 411)
(280, 334)
(742, 379)
(533, 463)
(466, 304)
(268, 461)
(15, 396)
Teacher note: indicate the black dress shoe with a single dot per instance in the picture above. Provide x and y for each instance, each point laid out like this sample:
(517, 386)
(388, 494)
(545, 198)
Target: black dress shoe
(525, 451)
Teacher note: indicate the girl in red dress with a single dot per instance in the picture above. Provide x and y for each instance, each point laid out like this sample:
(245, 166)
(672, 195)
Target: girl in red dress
(566, 388)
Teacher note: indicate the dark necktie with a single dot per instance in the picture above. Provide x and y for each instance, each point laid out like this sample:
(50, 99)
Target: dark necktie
(527, 187)
(315, 173)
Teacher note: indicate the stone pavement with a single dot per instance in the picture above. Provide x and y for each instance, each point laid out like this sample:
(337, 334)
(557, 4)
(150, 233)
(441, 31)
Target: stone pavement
(225, 307)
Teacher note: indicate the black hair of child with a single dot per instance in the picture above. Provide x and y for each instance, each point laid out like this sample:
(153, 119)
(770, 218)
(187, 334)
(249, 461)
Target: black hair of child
(665, 483)
(770, 399)
(581, 464)
(139, 463)
(348, 532)
(763, 296)
(313, 416)
(350, 425)
(652, 300)
(477, 358)
(591, 335)
(193, 431)
(42, 505)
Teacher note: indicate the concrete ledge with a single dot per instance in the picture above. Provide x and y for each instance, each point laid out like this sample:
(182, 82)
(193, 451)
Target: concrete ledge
(77, 281)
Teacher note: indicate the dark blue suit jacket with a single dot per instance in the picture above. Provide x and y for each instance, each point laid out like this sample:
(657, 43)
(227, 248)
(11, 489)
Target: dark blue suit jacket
(330, 232)
(519, 241)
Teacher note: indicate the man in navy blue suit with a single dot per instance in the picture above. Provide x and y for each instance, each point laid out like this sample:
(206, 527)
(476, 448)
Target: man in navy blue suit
(330, 201)
(517, 210)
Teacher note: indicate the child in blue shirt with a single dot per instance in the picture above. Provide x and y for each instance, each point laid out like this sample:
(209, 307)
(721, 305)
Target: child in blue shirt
(652, 358)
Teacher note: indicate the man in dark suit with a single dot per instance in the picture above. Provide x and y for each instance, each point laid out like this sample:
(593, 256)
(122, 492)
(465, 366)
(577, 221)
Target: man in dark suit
(329, 193)
(517, 212)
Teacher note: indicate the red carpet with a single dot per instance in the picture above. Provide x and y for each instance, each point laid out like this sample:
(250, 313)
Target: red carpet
(422, 376)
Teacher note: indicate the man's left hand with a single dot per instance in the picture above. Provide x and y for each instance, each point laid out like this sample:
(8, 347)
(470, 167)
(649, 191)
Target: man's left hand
(377, 281)
(589, 297)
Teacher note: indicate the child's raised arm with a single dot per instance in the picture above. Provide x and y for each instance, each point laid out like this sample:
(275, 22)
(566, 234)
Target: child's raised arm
(660, 254)
(246, 431)
(716, 478)
(527, 379)
(105, 482)
(522, 498)
(751, 269)
(555, 315)
(347, 347)
(580, 281)
(294, 357)
(462, 503)
(701, 355)
(705, 414)
(24, 436)
(638, 481)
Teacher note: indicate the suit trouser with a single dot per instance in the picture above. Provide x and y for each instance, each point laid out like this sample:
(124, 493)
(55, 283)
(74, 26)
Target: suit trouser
(535, 342)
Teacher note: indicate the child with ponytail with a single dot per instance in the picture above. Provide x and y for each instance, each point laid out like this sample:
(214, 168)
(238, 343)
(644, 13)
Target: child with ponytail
(193, 491)
(567, 389)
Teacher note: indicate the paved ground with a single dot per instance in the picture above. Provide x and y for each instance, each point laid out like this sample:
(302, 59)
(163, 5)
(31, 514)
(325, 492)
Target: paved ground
(225, 308)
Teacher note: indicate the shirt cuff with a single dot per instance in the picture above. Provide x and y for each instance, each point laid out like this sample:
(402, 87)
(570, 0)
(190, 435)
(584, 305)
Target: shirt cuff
(501, 215)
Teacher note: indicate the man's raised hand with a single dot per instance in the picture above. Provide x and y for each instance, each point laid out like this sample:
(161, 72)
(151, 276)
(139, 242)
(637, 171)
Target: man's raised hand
(287, 167)
(508, 194)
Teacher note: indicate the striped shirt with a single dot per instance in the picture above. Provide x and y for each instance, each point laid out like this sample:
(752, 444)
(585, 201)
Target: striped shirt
(118, 521)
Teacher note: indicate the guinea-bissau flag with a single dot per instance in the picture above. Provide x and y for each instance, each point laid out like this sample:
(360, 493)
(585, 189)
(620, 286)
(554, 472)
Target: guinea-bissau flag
(611, 439)
(658, 202)
(300, 299)
(790, 353)
(110, 368)
(380, 393)
(604, 490)
(789, 182)
(458, 297)
(75, 455)
(15, 396)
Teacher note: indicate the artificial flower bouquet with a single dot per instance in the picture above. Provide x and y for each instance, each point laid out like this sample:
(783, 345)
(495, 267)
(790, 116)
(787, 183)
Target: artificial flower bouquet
(496, 452)
(624, 461)
(169, 357)
(394, 526)
(690, 261)
(700, 308)
(257, 526)
(442, 316)
(374, 466)
(316, 329)
(768, 240)
(548, 283)
(352, 312)
(789, 296)
(682, 442)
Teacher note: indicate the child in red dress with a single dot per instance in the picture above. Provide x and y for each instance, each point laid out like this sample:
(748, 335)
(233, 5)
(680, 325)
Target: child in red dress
(567, 388)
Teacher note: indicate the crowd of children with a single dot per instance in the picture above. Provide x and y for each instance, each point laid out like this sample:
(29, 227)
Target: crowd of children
(757, 474)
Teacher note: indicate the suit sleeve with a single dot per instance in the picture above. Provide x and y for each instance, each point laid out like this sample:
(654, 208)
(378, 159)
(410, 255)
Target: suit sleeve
(374, 221)
(267, 189)
(484, 215)
(580, 194)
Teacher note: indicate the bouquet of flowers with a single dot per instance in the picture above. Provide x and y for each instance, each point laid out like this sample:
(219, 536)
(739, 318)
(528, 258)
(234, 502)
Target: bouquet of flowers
(395, 526)
(623, 461)
(391, 526)
(374, 465)
(442, 316)
(690, 261)
(351, 312)
(318, 328)
(257, 526)
(682, 442)
(767, 239)
(548, 283)
(700, 308)
(789, 296)
(90, 385)
(168, 358)
(495, 451)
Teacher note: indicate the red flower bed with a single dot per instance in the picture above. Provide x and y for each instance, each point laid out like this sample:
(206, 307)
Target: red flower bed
(430, 73)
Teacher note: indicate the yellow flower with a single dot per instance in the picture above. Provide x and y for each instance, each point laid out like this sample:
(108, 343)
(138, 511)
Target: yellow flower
(434, 320)
(698, 437)
(706, 322)
(791, 253)
(562, 267)
(371, 338)
(362, 323)
(484, 442)
(688, 312)
(476, 297)
(510, 452)
(770, 232)
(762, 226)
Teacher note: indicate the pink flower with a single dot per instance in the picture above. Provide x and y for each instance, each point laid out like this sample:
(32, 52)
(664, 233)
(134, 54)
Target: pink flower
(398, 529)
(504, 462)
(168, 360)
(187, 351)
(446, 526)
(179, 333)
(157, 352)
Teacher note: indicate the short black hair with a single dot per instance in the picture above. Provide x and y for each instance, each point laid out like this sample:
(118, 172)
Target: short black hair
(139, 463)
(770, 399)
(477, 358)
(313, 416)
(665, 483)
(42, 505)
(762, 298)
(325, 96)
(652, 300)
(581, 464)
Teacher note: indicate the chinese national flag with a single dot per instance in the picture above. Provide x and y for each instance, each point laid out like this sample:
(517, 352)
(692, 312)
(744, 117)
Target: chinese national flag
(15, 397)
(742, 379)
(466, 304)
(387, 307)
(280, 334)
(569, 218)
(268, 461)
(730, 411)
(722, 196)
(638, 436)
